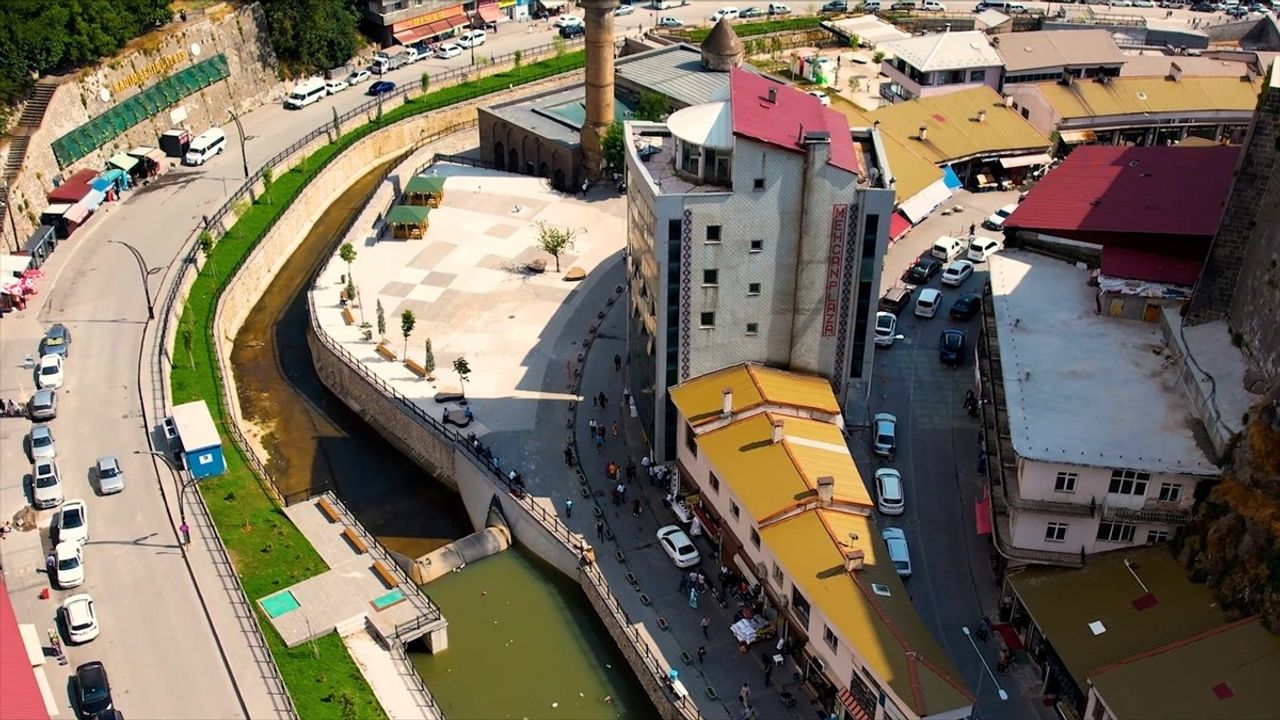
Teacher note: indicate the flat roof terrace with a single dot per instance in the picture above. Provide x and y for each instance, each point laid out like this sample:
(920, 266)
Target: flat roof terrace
(1082, 388)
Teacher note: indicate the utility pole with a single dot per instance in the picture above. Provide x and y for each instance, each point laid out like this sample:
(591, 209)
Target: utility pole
(244, 158)
(144, 272)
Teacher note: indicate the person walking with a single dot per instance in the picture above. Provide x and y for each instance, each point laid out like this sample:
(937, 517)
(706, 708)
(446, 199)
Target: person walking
(1002, 660)
(631, 471)
(768, 673)
(568, 455)
(568, 508)
(599, 442)
(622, 492)
(617, 363)
(984, 628)
(635, 508)
(745, 695)
(706, 625)
(186, 533)
(592, 423)
(600, 530)
(702, 653)
(626, 398)
(615, 428)
(49, 564)
(604, 400)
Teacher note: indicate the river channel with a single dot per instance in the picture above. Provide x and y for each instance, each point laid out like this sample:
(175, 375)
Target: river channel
(523, 642)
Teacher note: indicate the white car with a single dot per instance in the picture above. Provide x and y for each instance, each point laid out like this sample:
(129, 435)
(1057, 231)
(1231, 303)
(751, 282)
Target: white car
(823, 98)
(358, 77)
(73, 522)
(678, 546)
(1121, 3)
(890, 495)
(110, 476)
(724, 12)
(983, 248)
(567, 20)
(69, 563)
(448, 50)
(624, 10)
(885, 427)
(886, 329)
(667, 21)
(995, 221)
(333, 87)
(472, 38)
(1143, 3)
(80, 618)
(43, 445)
(46, 484)
(957, 272)
(49, 374)
(898, 552)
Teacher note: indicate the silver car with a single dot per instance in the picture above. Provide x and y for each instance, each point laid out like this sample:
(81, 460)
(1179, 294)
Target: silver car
(43, 446)
(46, 485)
(43, 405)
(110, 476)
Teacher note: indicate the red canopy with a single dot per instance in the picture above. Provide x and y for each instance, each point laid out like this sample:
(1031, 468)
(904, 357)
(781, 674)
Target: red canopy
(898, 225)
(74, 188)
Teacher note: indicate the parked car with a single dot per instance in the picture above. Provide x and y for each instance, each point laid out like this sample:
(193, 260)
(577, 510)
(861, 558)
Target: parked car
(472, 38)
(73, 522)
(983, 248)
(57, 341)
(835, 6)
(624, 10)
(572, 31)
(678, 546)
(951, 347)
(752, 12)
(46, 484)
(1203, 7)
(382, 87)
(779, 9)
(444, 51)
(886, 329)
(928, 302)
(80, 618)
(885, 442)
(667, 21)
(1144, 3)
(43, 445)
(823, 98)
(924, 269)
(957, 272)
(965, 306)
(43, 405)
(566, 20)
(69, 564)
(93, 691)
(995, 221)
(110, 476)
(359, 76)
(890, 496)
(895, 298)
(333, 87)
(899, 554)
(729, 12)
(49, 372)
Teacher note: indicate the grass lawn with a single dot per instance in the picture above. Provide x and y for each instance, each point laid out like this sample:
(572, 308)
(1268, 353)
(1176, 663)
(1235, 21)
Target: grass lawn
(269, 553)
(763, 27)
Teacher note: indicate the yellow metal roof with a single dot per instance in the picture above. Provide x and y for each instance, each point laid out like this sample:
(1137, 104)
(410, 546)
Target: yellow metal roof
(954, 132)
(699, 400)
(911, 172)
(1137, 95)
(886, 631)
(769, 478)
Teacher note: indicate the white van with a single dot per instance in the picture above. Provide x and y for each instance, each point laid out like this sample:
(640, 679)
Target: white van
(305, 93)
(473, 38)
(1008, 8)
(928, 302)
(983, 247)
(947, 249)
(207, 144)
(932, 6)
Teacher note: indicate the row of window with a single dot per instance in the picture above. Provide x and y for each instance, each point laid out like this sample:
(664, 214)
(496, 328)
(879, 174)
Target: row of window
(1123, 482)
(707, 321)
(715, 237)
(1115, 532)
(711, 278)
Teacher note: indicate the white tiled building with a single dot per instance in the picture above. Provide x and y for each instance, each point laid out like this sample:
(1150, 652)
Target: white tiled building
(939, 63)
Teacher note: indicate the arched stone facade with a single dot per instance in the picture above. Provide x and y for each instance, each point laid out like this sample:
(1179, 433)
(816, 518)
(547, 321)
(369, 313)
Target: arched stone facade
(520, 150)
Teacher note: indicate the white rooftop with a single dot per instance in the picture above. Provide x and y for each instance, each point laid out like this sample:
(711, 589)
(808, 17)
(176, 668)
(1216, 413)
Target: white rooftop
(1081, 388)
(871, 30)
(195, 426)
(946, 51)
(709, 125)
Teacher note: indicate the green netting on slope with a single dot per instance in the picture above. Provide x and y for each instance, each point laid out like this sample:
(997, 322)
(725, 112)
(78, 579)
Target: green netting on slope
(104, 128)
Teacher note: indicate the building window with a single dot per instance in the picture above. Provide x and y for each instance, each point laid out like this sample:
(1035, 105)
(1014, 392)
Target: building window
(1129, 482)
(690, 440)
(757, 246)
(753, 289)
(733, 509)
(977, 76)
(714, 482)
(777, 574)
(753, 328)
(1116, 532)
(755, 538)
(713, 233)
(801, 606)
(830, 638)
(707, 320)
(1026, 113)
(1065, 482)
(1157, 536)
(1056, 532)
(710, 277)
(1170, 492)
(758, 184)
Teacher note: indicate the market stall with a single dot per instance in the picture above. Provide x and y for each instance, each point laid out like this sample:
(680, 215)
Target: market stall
(408, 222)
(152, 161)
(40, 245)
(54, 216)
(424, 190)
(73, 189)
(126, 163)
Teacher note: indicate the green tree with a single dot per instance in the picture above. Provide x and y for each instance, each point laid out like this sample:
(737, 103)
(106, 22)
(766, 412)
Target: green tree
(407, 321)
(614, 145)
(187, 338)
(382, 322)
(425, 81)
(554, 240)
(878, 57)
(558, 43)
(517, 59)
(347, 253)
(309, 36)
(463, 368)
(337, 124)
(268, 177)
(855, 42)
(652, 106)
(429, 359)
(206, 246)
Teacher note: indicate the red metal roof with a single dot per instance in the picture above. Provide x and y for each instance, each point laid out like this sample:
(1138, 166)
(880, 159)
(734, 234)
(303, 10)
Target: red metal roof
(20, 697)
(1176, 191)
(74, 188)
(783, 122)
(899, 224)
(1137, 265)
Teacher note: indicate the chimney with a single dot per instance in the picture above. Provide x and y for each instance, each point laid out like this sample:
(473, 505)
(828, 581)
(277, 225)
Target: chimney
(777, 431)
(726, 403)
(853, 557)
(982, 116)
(1175, 71)
(826, 490)
(1008, 101)
(773, 95)
(924, 133)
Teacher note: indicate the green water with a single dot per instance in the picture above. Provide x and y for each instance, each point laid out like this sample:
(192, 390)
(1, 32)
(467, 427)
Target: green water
(544, 654)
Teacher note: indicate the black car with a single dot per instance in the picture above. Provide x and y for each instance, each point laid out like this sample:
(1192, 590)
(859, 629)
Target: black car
(951, 347)
(1203, 7)
(573, 31)
(57, 341)
(965, 306)
(835, 6)
(926, 267)
(382, 87)
(93, 691)
(1237, 11)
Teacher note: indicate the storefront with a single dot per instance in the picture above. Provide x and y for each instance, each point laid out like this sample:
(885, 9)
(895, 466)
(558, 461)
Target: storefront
(430, 26)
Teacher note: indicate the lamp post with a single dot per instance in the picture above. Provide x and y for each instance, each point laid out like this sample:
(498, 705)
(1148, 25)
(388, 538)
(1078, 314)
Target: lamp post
(999, 690)
(244, 159)
(177, 480)
(145, 272)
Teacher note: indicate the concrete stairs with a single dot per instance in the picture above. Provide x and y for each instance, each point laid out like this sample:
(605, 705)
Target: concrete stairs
(28, 122)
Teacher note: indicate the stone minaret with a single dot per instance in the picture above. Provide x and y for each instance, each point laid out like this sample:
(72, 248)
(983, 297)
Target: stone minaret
(598, 17)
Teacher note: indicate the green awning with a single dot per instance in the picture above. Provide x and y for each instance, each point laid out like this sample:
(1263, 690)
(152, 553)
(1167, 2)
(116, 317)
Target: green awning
(408, 215)
(123, 161)
(425, 184)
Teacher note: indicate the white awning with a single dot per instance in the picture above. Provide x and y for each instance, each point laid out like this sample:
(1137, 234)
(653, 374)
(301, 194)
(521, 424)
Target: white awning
(922, 203)
(1018, 161)
(553, 4)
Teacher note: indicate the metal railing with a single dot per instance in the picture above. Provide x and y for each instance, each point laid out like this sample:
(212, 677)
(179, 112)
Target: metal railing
(411, 677)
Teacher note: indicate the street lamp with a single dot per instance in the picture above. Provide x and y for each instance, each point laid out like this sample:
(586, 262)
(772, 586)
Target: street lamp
(244, 159)
(145, 272)
(177, 480)
(999, 690)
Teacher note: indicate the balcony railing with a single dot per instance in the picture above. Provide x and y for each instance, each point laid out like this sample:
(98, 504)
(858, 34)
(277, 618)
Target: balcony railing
(1152, 511)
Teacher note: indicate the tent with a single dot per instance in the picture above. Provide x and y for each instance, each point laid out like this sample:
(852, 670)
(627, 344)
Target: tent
(74, 188)
(408, 222)
(55, 216)
(152, 161)
(424, 190)
(117, 179)
(127, 163)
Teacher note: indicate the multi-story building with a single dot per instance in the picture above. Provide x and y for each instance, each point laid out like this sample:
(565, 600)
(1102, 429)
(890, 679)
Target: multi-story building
(939, 63)
(1094, 445)
(755, 229)
(783, 499)
(404, 22)
(1043, 55)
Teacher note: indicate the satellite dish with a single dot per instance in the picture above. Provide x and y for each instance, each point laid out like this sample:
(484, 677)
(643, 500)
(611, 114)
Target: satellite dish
(195, 49)
(104, 95)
